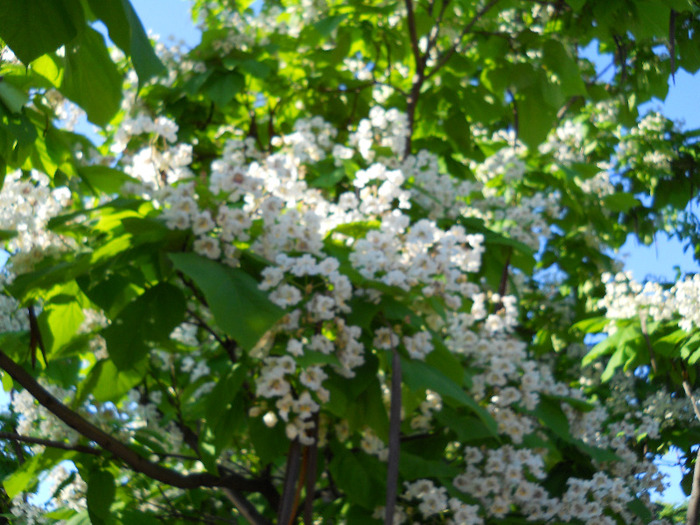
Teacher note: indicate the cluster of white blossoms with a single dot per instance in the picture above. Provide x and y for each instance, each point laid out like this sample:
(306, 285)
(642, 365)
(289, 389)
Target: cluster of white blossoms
(646, 146)
(390, 125)
(35, 420)
(627, 299)
(27, 203)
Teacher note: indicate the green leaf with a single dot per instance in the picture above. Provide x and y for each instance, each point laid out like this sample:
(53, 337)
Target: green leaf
(111, 383)
(559, 60)
(637, 507)
(415, 467)
(535, 117)
(550, 413)
(668, 345)
(620, 202)
(6, 235)
(458, 132)
(352, 478)
(240, 308)
(91, 79)
(419, 375)
(616, 361)
(61, 317)
(104, 179)
(327, 25)
(26, 476)
(34, 27)
(270, 443)
(127, 32)
(101, 490)
(467, 428)
(594, 325)
(13, 98)
(149, 318)
(221, 87)
(82, 518)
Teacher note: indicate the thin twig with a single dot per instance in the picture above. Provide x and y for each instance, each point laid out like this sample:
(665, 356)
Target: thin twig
(457, 41)
(392, 475)
(10, 436)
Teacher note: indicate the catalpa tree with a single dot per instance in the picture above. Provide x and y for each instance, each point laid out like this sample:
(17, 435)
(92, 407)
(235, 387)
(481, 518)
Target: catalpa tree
(338, 263)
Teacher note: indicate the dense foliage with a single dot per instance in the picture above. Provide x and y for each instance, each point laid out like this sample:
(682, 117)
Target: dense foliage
(340, 263)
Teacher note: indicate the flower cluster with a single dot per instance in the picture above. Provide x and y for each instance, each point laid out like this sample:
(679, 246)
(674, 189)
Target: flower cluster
(627, 299)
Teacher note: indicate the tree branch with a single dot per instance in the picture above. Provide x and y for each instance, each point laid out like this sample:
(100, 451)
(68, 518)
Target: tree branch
(286, 510)
(413, 35)
(11, 436)
(118, 449)
(392, 475)
(457, 41)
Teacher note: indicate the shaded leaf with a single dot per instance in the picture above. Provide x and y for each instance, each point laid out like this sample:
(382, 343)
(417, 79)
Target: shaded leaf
(240, 308)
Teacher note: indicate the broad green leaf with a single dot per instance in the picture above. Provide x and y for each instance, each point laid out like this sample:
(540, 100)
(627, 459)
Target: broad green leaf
(549, 411)
(104, 179)
(637, 507)
(149, 318)
(418, 375)
(125, 30)
(101, 489)
(6, 235)
(594, 325)
(620, 202)
(352, 478)
(240, 308)
(668, 345)
(616, 361)
(368, 410)
(91, 79)
(34, 27)
(270, 443)
(467, 428)
(111, 383)
(25, 477)
(327, 25)
(535, 117)
(7, 382)
(13, 97)
(357, 230)
(458, 132)
(82, 518)
(60, 319)
(560, 61)
(413, 467)
(223, 86)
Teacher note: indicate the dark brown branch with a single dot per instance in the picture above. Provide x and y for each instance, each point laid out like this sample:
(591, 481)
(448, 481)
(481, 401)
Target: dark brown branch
(413, 35)
(392, 475)
(291, 475)
(311, 472)
(672, 43)
(245, 508)
(10, 436)
(118, 449)
(693, 513)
